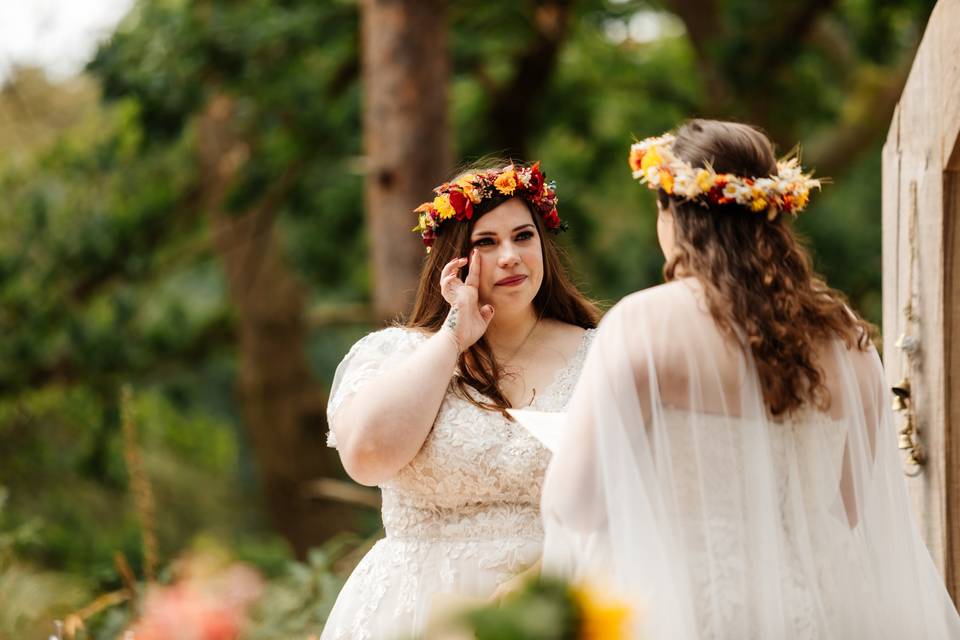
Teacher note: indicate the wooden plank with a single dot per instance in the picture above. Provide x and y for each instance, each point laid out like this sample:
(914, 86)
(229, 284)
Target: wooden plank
(890, 215)
(947, 61)
(948, 57)
(921, 165)
(951, 365)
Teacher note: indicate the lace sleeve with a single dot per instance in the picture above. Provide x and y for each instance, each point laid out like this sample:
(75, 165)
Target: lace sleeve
(375, 352)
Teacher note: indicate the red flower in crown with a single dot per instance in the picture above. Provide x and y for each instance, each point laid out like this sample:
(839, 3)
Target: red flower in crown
(428, 236)
(552, 219)
(461, 204)
(535, 184)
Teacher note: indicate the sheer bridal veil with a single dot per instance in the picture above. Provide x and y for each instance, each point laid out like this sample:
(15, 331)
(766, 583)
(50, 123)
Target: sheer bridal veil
(676, 488)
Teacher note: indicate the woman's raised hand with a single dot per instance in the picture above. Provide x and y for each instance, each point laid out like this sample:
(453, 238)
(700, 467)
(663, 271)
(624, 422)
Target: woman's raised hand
(467, 319)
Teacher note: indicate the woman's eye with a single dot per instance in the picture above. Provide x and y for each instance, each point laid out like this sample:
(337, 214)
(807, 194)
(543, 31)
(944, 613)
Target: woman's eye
(483, 241)
(524, 235)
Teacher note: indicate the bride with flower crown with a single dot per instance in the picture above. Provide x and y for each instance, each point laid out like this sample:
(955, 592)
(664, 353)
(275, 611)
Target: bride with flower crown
(730, 463)
(420, 410)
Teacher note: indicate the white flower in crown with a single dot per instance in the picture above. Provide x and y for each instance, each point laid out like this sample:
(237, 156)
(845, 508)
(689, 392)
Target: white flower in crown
(524, 176)
(745, 193)
(767, 185)
(790, 171)
(653, 176)
(685, 185)
(737, 191)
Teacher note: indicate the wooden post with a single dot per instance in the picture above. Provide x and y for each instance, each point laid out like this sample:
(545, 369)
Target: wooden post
(405, 74)
(921, 182)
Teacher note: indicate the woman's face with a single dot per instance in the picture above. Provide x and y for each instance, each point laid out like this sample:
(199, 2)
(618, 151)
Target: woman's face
(665, 231)
(511, 256)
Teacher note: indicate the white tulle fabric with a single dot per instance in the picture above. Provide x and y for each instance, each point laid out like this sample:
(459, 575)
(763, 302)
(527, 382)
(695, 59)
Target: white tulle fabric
(676, 488)
(462, 517)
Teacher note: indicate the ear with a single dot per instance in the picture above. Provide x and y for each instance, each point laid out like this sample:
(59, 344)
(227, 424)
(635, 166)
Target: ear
(667, 212)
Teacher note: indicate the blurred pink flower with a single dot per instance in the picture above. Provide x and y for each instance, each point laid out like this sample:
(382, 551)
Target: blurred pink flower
(205, 603)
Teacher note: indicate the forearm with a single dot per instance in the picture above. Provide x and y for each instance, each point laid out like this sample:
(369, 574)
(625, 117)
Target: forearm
(384, 425)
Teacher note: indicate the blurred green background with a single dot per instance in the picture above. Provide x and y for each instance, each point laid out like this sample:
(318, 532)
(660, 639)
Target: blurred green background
(112, 268)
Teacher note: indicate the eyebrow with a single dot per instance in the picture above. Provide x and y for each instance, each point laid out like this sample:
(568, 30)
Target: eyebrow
(483, 234)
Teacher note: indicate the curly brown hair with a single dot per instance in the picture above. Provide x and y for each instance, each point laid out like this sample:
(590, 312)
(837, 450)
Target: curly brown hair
(557, 299)
(758, 277)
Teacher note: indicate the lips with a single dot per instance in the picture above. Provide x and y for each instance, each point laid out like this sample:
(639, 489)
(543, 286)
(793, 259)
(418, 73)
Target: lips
(511, 281)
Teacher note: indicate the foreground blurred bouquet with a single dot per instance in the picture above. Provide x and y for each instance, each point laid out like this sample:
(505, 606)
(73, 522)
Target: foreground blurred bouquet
(208, 601)
(544, 609)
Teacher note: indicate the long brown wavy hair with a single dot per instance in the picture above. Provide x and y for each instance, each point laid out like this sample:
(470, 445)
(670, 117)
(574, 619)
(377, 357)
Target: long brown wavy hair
(759, 281)
(557, 299)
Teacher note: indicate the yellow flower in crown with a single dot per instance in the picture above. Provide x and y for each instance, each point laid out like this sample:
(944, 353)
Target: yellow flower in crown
(442, 204)
(666, 181)
(704, 181)
(506, 182)
(466, 183)
(601, 618)
(759, 202)
(650, 158)
(425, 222)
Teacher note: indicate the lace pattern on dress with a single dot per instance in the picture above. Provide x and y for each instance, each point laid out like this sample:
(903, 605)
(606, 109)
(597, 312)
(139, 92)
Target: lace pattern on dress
(469, 498)
(723, 606)
(375, 352)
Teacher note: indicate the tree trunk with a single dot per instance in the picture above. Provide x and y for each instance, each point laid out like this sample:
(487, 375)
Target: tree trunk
(405, 72)
(513, 105)
(283, 406)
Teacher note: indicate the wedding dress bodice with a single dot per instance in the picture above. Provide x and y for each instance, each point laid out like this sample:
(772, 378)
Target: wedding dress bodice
(463, 515)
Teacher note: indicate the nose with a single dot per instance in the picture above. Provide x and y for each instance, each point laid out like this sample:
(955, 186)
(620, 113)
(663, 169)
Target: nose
(508, 255)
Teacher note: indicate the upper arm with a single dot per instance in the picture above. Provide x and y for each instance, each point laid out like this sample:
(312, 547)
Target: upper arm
(372, 355)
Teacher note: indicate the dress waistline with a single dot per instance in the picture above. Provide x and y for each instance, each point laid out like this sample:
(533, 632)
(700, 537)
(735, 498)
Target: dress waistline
(477, 522)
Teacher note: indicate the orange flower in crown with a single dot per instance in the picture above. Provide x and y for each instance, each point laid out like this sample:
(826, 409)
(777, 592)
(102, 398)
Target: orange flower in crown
(473, 193)
(654, 164)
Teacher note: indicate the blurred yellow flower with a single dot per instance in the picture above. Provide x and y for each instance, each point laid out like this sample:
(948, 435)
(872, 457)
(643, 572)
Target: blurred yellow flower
(703, 180)
(666, 181)
(443, 207)
(424, 222)
(650, 158)
(471, 192)
(602, 618)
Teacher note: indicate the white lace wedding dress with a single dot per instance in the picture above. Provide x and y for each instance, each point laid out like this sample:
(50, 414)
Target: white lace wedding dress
(462, 517)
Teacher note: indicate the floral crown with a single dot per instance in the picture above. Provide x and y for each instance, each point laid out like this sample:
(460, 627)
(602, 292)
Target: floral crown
(654, 163)
(457, 200)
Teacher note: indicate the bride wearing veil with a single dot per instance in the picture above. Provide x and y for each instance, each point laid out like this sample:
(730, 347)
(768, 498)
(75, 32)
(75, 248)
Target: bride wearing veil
(730, 465)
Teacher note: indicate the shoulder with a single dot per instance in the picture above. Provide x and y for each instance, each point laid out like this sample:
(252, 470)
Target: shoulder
(388, 340)
(559, 329)
(571, 335)
(662, 301)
